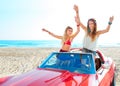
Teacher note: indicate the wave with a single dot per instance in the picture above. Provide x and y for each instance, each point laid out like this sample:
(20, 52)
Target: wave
(46, 43)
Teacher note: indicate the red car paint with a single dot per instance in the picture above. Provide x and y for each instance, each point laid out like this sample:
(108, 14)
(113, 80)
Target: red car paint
(56, 77)
(46, 77)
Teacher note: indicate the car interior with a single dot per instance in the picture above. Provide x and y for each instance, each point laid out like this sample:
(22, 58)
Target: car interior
(98, 61)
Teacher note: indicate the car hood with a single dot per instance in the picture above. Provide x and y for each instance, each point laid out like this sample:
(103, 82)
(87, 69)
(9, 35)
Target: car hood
(45, 77)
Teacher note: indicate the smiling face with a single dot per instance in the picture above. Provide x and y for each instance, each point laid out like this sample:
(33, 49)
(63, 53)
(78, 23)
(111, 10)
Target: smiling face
(92, 25)
(69, 31)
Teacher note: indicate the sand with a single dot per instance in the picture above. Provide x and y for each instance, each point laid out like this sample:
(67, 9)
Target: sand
(15, 61)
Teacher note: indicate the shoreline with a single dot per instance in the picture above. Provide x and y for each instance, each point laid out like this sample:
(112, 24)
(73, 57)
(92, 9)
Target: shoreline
(16, 60)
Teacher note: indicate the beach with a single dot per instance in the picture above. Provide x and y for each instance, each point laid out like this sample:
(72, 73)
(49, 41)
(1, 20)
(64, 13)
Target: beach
(15, 61)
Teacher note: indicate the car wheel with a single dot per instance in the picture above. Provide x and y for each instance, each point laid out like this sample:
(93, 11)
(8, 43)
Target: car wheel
(113, 81)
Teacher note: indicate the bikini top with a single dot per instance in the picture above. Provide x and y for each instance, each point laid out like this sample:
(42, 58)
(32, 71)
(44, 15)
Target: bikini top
(68, 42)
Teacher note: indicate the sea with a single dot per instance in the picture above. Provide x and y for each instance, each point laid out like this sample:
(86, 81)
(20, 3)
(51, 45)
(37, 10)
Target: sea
(47, 43)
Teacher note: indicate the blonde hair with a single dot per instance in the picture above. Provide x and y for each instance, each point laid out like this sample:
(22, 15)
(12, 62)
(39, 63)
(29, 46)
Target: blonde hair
(65, 36)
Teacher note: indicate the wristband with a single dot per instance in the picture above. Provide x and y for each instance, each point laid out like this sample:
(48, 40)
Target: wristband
(78, 25)
(109, 23)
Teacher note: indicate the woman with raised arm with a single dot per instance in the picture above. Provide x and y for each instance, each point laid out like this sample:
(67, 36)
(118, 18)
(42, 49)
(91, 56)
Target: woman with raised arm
(67, 38)
(91, 33)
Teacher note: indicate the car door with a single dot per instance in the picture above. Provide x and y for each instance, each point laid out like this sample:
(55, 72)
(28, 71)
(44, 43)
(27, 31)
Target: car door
(103, 72)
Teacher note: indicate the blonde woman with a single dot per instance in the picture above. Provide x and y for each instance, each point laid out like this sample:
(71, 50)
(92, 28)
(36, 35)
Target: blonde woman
(91, 33)
(67, 38)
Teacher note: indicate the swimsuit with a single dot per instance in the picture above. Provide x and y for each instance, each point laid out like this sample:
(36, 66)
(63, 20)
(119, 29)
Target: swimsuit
(68, 42)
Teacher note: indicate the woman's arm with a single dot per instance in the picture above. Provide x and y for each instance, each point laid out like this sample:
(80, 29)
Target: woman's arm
(78, 27)
(77, 15)
(56, 36)
(108, 27)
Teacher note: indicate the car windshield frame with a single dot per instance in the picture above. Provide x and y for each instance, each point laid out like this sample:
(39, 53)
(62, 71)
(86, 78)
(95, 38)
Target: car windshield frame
(82, 63)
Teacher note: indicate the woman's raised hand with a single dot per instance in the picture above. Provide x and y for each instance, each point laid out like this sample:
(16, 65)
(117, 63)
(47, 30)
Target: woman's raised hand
(76, 8)
(111, 19)
(45, 30)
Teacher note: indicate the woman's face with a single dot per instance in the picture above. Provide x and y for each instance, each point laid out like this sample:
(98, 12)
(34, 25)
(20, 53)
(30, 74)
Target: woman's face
(91, 26)
(69, 32)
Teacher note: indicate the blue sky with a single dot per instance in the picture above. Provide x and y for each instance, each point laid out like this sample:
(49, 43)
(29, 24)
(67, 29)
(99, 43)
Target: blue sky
(24, 19)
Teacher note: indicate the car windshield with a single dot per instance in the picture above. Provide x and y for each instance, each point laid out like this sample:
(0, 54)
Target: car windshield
(73, 62)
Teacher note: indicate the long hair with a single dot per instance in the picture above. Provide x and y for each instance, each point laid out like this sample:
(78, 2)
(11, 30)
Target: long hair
(93, 35)
(65, 35)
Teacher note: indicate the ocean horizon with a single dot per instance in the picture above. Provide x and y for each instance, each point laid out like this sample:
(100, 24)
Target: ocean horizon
(47, 43)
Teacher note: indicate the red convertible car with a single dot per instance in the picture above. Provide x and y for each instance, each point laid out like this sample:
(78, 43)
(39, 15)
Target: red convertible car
(73, 68)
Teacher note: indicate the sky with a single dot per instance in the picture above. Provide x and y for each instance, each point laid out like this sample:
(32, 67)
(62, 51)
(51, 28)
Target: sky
(24, 19)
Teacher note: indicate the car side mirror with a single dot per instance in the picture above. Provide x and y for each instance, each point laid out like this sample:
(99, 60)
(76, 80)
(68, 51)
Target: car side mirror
(106, 65)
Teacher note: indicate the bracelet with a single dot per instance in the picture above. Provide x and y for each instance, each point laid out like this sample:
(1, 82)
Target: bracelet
(78, 25)
(109, 23)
